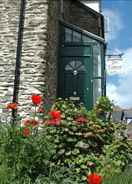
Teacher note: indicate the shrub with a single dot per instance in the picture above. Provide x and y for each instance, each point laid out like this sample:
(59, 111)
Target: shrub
(83, 137)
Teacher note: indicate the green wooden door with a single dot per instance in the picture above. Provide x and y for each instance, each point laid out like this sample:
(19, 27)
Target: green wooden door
(75, 74)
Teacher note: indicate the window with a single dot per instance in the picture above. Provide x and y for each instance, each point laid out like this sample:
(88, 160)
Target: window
(97, 89)
(76, 36)
(75, 66)
(68, 35)
(97, 72)
(72, 36)
(87, 39)
(97, 60)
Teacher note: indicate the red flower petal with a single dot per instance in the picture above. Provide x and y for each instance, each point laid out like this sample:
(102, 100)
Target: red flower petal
(34, 123)
(36, 99)
(30, 122)
(12, 106)
(26, 132)
(94, 179)
(55, 114)
(81, 120)
(27, 122)
(54, 122)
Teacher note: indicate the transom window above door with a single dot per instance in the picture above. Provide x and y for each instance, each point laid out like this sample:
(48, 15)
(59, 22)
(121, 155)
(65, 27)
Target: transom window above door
(75, 67)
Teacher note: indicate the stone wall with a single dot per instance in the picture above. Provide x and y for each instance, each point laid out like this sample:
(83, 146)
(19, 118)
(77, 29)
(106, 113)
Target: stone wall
(39, 50)
(39, 53)
(9, 17)
(33, 61)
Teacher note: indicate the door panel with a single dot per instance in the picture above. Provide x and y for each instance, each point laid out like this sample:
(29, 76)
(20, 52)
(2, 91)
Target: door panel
(69, 84)
(76, 50)
(75, 74)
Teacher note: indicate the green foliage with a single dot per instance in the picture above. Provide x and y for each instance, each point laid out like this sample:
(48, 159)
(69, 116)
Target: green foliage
(115, 158)
(96, 141)
(23, 157)
(122, 178)
(103, 108)
(64, 153)
(104, 104)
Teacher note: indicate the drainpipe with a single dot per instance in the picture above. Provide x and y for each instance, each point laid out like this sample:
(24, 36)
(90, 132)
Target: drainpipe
(18, 56)
(62, 8)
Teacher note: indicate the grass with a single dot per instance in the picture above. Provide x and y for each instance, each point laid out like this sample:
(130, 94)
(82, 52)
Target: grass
(124, 178)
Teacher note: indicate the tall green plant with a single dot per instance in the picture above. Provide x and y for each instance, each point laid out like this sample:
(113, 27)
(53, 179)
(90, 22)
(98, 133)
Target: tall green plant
(24, 156)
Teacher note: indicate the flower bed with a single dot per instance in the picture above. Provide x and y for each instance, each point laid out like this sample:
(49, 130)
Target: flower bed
(66, 144)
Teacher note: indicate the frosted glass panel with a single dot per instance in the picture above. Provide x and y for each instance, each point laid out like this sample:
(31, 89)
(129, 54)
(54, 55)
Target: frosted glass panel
(97, 91)
(76, 36)
(97, 60)
(68, 35)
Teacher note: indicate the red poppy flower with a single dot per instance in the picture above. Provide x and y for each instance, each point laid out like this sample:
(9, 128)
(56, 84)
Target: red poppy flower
(94, 179)
(12, 106)
(53, 122)
(34, 122)
(36, 99)
(56, 115)
(30, 122)
(27, 122)
(26, 132)
(81, 120)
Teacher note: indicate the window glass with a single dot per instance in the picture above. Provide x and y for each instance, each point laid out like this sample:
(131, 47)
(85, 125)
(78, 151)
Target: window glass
(97, 72)
(75, 66)
(97, 91)
(87, 39)
(97, 60)
(76, 36)
(68, 35)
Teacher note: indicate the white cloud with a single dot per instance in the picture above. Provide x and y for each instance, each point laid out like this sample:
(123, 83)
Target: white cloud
(127, 62)
(122, 94)
(113, 24)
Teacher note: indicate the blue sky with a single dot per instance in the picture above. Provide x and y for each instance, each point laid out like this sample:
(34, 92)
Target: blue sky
(119, 39)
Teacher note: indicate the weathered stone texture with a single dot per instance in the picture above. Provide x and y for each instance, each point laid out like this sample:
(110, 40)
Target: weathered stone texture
(39, 49)
(52, 47)
(33, 62)
(9, 17)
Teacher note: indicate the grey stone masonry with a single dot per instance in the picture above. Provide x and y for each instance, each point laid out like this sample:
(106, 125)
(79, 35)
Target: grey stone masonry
(33, 62)
(39, 49)
(39, 53)
(9, 19)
